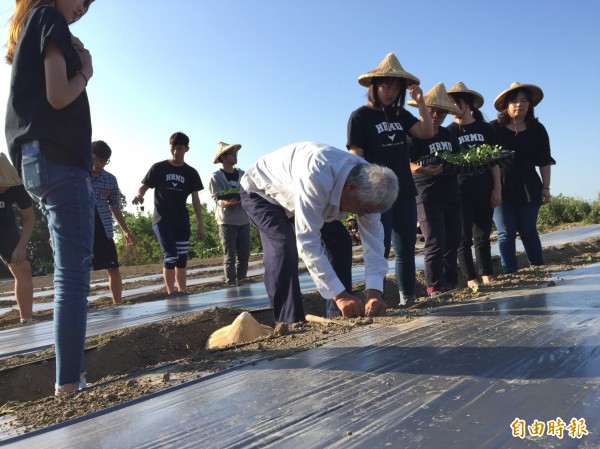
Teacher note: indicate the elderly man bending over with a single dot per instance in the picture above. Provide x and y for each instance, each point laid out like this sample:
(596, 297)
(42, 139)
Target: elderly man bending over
(309, 187)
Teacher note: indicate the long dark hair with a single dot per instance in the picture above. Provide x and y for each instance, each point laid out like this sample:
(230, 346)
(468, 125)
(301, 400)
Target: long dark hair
(398, 103)
(15, 26)
(503, 116)
(470, 100)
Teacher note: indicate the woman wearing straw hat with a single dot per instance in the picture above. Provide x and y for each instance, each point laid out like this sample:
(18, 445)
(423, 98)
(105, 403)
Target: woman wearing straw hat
(523, 192)
(234, 225)
(13, 245)
(479, 193)
(438, 200)
(378, 132)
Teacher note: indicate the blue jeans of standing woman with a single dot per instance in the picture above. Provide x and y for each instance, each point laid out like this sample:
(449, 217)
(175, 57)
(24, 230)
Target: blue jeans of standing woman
(510, 218)
(66, 197)
(404, 239)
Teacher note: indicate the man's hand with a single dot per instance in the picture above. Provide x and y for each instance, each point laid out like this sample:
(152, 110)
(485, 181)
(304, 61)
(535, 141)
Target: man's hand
(350, 306)
(375, 304)
(230, 202)
(375, 307)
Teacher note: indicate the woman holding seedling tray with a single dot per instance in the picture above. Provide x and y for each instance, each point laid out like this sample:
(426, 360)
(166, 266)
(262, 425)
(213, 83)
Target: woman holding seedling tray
(481, 191)
(438, 200)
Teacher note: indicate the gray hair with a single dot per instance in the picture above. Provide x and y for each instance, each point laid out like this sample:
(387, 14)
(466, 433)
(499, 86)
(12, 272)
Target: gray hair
(378, 185)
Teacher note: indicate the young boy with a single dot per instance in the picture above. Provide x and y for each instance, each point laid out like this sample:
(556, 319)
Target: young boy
(234, 225)
(108, 205)
(173, 181)
(13, 244)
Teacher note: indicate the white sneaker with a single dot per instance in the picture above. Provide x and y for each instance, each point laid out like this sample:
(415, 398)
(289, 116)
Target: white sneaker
(406, 300)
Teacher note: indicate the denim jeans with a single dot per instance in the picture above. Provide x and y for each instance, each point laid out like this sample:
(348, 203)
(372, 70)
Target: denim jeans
(404, 239)
(510, 218)
(66, 197)
(236, 250)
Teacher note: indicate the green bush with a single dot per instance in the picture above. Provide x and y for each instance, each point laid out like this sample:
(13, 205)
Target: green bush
(145, 249)
(210, 245)
(563, 209)
(594, 215)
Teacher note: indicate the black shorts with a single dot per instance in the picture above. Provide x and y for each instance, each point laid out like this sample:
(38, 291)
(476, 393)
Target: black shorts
(8, 242)
(105, 251)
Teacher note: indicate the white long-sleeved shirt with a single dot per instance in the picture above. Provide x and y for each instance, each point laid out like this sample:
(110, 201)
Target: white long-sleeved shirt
(307, 179)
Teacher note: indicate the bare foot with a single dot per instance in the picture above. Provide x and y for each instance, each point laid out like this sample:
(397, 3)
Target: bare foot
(473, 283)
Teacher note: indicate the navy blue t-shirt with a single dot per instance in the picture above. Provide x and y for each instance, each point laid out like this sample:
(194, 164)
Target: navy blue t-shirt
(441, 188)
(65, 135)
(383, 138)
(13, 195)
(172, 185)
(469, 136)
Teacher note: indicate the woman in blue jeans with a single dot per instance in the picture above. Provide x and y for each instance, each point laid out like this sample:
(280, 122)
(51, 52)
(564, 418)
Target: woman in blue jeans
(49, 133)
(378, 132)
(523, 192)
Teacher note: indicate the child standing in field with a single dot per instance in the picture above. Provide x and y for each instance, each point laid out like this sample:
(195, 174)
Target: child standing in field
(173, 181)
(13, 245)
(49, 134)
(234, 224)
(108, 206)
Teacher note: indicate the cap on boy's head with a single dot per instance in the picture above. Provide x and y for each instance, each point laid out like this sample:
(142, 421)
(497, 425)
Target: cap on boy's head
(101, 149)
(179, 139)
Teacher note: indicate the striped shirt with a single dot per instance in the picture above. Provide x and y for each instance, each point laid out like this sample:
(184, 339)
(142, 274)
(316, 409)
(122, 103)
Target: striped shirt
(107, 196)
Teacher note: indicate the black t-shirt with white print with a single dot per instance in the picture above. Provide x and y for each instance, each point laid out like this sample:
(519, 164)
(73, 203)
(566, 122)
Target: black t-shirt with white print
(442, 188)
(469, 136)
(64, 135)
(172, 185)
(13, 195)
(382, 135)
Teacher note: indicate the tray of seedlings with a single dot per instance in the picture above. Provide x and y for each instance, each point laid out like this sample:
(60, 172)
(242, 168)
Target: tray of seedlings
(228, 194)
(470, 162)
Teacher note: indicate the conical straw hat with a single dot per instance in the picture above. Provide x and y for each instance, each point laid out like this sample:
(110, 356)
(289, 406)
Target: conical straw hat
(438, 98)
(460, 88)
(536, 94)
(8, 174)
(244, 328)
(390, 66)
(223, 147)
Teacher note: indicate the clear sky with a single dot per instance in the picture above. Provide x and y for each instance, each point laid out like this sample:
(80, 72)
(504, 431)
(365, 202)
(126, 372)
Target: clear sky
(266, 73)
